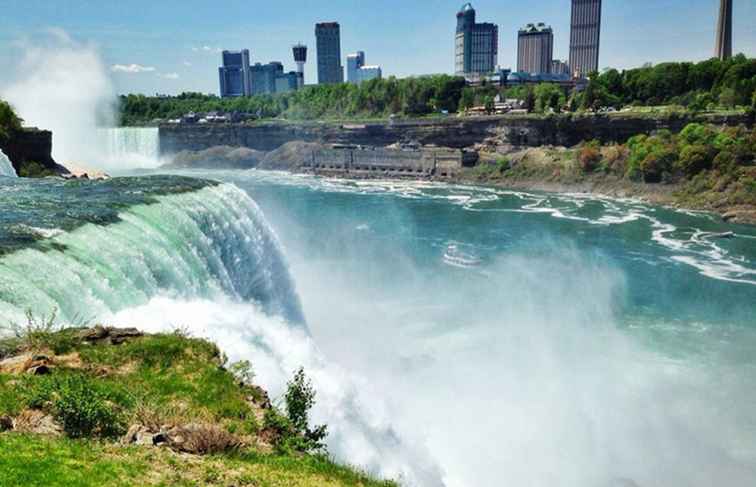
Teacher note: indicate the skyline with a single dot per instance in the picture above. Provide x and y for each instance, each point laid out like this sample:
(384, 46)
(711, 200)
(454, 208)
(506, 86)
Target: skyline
(174, 47)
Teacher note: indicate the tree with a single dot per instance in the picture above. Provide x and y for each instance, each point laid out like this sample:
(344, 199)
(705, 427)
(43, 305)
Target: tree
(467, 100)
(300, 398)
(530, 99)
(9, 121)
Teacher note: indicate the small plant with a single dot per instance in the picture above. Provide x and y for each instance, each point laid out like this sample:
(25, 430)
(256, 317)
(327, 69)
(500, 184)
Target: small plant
(589, 157)
(243, 372)
(38, 333)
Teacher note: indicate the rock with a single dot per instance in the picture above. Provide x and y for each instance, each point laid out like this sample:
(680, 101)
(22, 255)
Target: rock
(139, 435)
(115, 336)
(36, 422)
(27, 363)
(6, 423)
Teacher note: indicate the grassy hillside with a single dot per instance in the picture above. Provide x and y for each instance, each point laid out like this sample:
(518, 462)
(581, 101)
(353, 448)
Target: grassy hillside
(91, 407)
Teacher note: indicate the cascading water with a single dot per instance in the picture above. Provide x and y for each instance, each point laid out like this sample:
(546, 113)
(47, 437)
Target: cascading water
(131, 147)
(6, 168)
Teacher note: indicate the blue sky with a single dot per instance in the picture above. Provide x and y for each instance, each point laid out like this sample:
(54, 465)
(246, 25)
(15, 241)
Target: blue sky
(177, 41)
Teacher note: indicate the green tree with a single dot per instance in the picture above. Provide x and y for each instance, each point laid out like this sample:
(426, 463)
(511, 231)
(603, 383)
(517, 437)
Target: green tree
(9, 121)
(300, 398)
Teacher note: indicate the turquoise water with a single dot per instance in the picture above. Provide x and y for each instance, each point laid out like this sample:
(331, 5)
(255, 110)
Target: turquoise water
(457, 335)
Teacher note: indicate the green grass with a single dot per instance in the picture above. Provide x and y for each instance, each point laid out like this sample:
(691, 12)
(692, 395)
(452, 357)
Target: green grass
(30, 461)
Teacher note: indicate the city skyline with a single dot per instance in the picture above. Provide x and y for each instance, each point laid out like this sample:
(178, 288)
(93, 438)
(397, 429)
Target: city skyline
(150, 51)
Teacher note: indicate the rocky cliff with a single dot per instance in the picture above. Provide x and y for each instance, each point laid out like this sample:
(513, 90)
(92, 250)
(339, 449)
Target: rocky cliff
(520, 130)
(31, 146)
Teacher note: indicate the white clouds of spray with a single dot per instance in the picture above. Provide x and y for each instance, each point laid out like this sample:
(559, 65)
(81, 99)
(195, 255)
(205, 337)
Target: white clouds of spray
(63, 86)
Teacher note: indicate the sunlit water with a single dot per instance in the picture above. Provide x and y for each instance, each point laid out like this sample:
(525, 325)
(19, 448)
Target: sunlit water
(577, 342)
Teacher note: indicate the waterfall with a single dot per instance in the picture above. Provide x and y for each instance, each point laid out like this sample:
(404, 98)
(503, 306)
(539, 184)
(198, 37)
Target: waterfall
(132, 147)
(6, 168)
(201, 244)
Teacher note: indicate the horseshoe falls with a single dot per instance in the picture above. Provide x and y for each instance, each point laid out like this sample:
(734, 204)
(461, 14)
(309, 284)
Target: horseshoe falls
(456, 335)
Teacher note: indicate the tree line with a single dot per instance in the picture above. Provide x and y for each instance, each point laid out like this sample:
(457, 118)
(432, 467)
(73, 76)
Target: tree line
(697, 86)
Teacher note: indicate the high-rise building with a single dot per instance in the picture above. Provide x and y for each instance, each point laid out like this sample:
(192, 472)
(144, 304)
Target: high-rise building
(585, 37)
(724, 30)
(476, 46)
(370, 72)
(535, 49)
(354, 63)
(264, 77)
(300, 58)
(330, 70)
(560, 67)
(235, 76)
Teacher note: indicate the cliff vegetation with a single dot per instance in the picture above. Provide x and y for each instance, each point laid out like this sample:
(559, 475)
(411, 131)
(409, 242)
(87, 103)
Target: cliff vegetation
(105, 406)
(703, 167)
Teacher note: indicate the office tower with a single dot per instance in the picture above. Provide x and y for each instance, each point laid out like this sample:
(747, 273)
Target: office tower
(724, 30)
(476, 46)
(585, 37)
(330, 70)
(370, 72)
(354, 63)
(535, 49)
(234, 75)
(300, 58)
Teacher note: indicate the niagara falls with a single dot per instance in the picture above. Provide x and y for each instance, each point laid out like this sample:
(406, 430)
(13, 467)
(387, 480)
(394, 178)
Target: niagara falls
(384, 246)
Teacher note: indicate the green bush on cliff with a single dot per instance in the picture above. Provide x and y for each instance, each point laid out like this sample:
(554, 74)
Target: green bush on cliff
(9, 121)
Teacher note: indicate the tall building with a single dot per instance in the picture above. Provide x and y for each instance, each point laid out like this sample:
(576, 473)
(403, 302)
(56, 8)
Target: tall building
(354, 63)
(724, 30)
(357, 71)
(585, 37)
(235, 76)
(535, 49)
(330, 70)
(270, 78)
(300, 58)
(476, 46)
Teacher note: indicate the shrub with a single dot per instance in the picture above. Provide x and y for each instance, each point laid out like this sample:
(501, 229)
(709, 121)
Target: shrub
(725, 162)
(300, 398)
(697, 134)
(85, 411)
(589, 157)
(33, 169)
(243, 372)
(202, 439)
(44, 332)
(694, 159)
(657, 164)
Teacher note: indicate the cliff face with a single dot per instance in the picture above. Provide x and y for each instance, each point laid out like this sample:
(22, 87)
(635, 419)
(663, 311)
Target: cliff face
(31, 145)
(526, 130)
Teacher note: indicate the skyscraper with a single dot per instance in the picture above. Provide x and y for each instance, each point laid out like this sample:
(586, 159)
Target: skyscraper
(724, 30)
(235, 76)
(330, 70)
(476, 47)
(535, 49)
(585, 37)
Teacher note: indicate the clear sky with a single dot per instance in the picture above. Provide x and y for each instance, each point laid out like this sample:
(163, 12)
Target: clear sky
(169, 46)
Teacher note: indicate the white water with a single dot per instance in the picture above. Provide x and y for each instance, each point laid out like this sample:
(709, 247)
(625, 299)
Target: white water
(6, 168)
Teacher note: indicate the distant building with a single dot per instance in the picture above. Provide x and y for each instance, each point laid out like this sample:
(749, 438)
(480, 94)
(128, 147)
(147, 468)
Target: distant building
(270, 78)
(330, 70)
(300, 58)
(357, 71)
(535, 48)
(354, 63)
(585, 37)
(234, 75)
(724, 31)
(559, 67)
(476, 47)
(370, 72)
